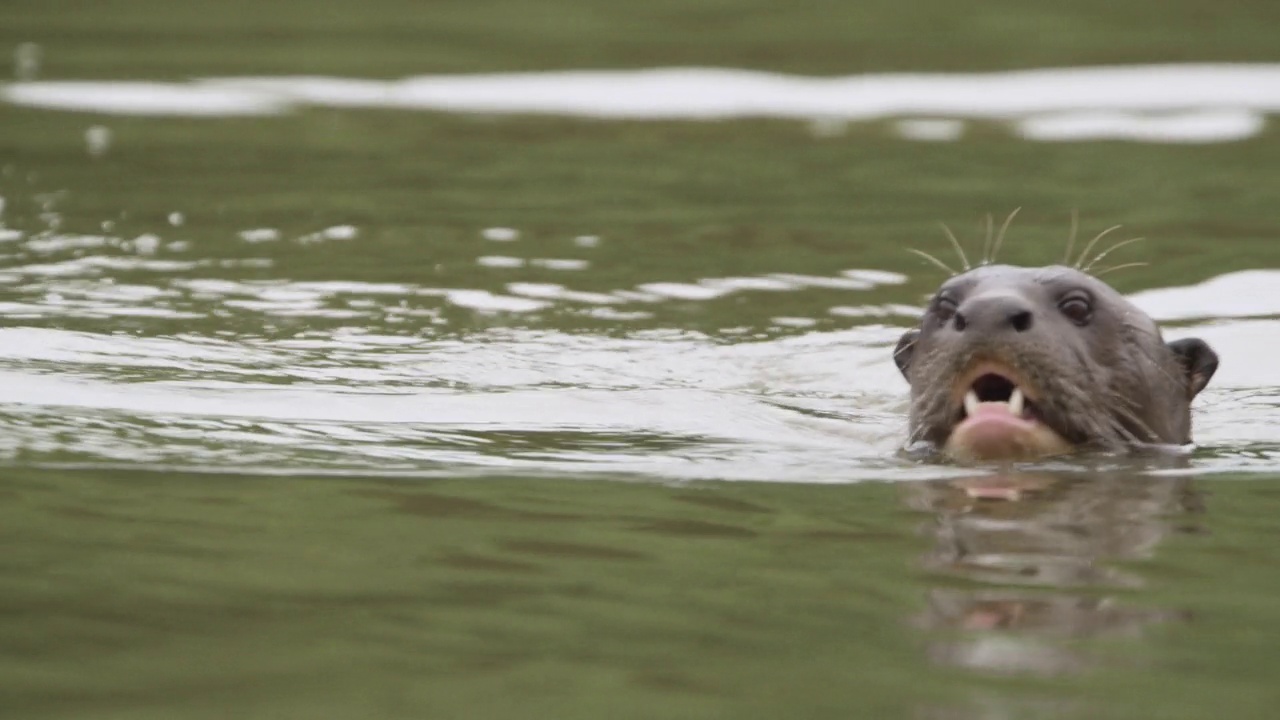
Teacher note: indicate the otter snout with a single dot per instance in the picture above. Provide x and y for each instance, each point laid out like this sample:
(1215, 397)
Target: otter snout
(992, 314)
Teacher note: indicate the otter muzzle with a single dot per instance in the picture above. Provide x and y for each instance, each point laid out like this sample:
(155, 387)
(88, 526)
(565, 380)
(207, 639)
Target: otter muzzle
(994, 431)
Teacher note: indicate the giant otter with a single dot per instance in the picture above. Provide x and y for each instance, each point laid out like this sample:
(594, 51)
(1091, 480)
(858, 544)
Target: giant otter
(1017, 363)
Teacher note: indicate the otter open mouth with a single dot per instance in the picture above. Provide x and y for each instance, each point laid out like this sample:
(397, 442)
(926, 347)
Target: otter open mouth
(993, 392)
(998, 419)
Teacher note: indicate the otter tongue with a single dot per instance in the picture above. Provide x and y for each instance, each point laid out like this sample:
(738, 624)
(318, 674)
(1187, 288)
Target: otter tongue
(992, 409)
(995, 429)
(999, 430)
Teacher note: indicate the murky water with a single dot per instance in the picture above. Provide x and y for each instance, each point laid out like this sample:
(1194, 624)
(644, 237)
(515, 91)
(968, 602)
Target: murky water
(330, 406)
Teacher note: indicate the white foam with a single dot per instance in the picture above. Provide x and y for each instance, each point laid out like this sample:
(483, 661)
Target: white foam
(337, 232)
(709, 93)
(608, 313)
(830, 283)
(143, 98)
(1154, 103)
(62, 243)
(1185, 127)
(876, 311)
(146, 244)
(500, 261)
(258, 235)
(683, 291)
(355, 287)
(876, 277)
(500, 234)
(809, 407)
(795, 322)
(560, 263)
(1248, 293)
(488, 302)
(552, 291)
(96, 264)
(766, 284)
(97, 140)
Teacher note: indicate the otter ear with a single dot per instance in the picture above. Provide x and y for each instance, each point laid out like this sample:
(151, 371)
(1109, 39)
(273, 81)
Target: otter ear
(1198, 361)
(905, 349)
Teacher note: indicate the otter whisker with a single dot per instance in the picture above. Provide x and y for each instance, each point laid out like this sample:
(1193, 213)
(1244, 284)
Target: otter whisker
(986, 244)
(1116, 418)
(1131, 403)
(956, 244)
(1106, 426)
(1113, 268)
(1155, 363)
(1094, 241)
(1071, 239)
(1128, 408)
(995, 250)
(1109, 250)
(1117, 426)
(1125, 414)
(933, 260)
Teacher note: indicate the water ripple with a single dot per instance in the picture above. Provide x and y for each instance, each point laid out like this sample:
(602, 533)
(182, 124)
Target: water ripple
(392, 385)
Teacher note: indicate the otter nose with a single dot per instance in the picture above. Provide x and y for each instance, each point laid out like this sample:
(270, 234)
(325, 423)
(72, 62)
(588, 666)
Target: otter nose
(995, 313)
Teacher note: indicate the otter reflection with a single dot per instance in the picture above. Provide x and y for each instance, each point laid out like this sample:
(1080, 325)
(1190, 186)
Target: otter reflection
(1023, 534)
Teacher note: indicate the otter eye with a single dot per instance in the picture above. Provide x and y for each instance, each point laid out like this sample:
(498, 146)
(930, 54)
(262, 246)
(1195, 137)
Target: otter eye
(944, 307)
(1077, 309)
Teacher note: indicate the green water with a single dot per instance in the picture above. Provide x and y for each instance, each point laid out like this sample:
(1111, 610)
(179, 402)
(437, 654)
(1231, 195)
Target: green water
(154, 595)
(294, 477)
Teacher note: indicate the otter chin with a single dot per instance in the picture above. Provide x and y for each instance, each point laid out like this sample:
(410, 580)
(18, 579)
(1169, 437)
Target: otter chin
(1015, 363)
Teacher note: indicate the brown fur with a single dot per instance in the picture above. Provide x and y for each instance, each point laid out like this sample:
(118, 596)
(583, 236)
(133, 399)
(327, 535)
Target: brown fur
(1108, 383)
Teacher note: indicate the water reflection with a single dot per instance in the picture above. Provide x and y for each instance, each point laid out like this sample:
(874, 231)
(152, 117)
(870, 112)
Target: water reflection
(1042, 548)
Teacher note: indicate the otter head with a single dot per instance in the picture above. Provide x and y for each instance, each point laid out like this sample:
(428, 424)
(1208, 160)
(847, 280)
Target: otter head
(1014, 363)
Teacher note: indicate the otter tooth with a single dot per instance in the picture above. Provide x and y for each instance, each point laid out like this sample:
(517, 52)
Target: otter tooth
(1016, 402)
(970, 402)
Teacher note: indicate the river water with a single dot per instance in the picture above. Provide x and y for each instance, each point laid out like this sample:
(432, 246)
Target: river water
(503, 396)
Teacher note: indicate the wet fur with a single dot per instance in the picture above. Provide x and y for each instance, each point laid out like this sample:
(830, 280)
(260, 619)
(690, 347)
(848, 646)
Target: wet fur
(1106, 385)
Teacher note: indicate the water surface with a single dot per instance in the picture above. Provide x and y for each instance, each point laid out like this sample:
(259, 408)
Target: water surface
(374, 412)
